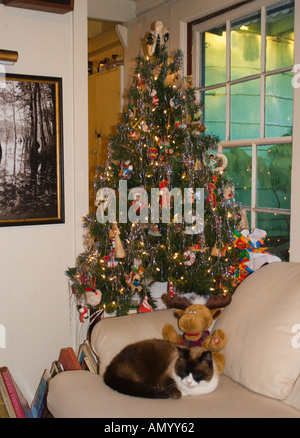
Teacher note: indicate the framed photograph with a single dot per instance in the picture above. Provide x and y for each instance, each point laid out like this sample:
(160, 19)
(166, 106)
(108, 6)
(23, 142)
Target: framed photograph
(31, 150)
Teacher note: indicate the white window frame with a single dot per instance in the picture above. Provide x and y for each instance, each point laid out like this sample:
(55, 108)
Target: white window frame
(196, 72)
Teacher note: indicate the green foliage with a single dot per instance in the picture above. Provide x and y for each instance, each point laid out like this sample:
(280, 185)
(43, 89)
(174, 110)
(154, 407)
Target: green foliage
(162, 136)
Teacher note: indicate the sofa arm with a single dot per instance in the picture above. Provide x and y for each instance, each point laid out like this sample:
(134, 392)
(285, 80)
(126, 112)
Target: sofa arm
(110, 335)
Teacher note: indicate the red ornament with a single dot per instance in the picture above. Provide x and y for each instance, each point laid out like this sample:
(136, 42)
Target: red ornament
(145, 306)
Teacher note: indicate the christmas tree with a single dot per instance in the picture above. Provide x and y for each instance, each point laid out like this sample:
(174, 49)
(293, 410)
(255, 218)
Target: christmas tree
(165, 208)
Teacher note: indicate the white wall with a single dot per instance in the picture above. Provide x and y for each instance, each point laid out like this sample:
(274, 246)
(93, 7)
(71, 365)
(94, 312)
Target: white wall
(34, 296)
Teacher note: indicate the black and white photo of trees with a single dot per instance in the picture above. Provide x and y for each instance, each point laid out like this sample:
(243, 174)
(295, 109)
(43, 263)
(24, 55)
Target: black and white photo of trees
(30, 151)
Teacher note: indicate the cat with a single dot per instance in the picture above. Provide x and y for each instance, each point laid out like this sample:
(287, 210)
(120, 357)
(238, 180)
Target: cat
(160, 369)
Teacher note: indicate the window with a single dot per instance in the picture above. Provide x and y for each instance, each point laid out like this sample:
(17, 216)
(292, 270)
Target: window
(243, 62)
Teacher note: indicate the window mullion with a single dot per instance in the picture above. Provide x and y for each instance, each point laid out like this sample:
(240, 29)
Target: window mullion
(263, 70)
(253, 185)
(228, 76)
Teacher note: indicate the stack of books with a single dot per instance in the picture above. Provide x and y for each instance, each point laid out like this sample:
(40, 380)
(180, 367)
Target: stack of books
(13, 404)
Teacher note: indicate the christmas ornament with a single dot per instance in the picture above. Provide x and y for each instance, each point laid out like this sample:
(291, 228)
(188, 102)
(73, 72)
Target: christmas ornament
(138, 202)
(145, 306)
(93, 297)
(126, 170)
(152, 153)
(198, 248)
(110, 260)
(133, 279)
(131, 111)
(164, 192)
(154, 231)
(217, 250)
(133, 134)
(155, 99)
(215, 162)
(174, 103)
(171, 289)
(114, 235)
(144, 126)
(190, 258)
(211, 196)
(228, 191)
(83, 313)
(164, 145)
(157, 38)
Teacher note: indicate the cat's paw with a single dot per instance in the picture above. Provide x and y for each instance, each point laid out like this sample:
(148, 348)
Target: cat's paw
(175, 394)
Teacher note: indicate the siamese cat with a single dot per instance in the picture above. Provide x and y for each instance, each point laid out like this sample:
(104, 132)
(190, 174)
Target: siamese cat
(160, 369)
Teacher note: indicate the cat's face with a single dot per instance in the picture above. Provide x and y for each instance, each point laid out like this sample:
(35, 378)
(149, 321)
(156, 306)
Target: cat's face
(194, 371)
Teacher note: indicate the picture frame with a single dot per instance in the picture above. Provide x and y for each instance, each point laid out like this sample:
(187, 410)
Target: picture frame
(31, 150)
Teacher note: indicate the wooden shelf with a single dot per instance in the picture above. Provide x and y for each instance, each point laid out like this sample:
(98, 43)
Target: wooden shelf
(55, 6)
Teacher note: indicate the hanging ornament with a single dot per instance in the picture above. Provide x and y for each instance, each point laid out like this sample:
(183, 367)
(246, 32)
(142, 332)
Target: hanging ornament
(110, 260)
(211, 196)
(145, 306)
(190, 258)
(152, 153)
(242, 220)
(133, 279)
(155, 99)
(165, 148)
(217, 250)
(126, 170)
(131, 111)
(198, 164)
(137, 202)
(200, 246)
(228, 191)
(198, 128)
(83, 313)
(93, 297)
(215, 162)
(140, 83)
(133, 135)
(144, 126)
(174, 103)
(164, 192)
(171, 289)
(157, 38)
(114, 234)
(154, 231)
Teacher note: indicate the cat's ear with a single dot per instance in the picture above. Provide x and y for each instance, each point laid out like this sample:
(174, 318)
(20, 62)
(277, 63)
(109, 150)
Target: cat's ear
(206, 357)
(183, 353)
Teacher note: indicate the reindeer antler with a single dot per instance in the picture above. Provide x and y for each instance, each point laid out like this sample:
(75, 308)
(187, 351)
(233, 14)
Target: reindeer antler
(217, 301)
(175, 301)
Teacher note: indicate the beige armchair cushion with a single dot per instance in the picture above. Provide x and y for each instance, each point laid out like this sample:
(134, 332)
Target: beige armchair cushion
(110, 335)
(262, 324)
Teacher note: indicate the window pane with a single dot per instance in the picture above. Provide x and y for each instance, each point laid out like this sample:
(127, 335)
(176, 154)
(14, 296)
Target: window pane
(245, 110)
(239, 170)
(280, 35)
(277, 227)
(245, 46)
(274, 165)
(214, 56)
(279, 105)
(215, 111)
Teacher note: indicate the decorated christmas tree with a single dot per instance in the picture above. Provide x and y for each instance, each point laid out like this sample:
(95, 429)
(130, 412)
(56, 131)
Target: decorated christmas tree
(165, 208)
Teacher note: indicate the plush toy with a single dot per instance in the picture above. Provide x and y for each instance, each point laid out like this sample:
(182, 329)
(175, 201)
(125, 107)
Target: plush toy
(195, 321)
(134, 278)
